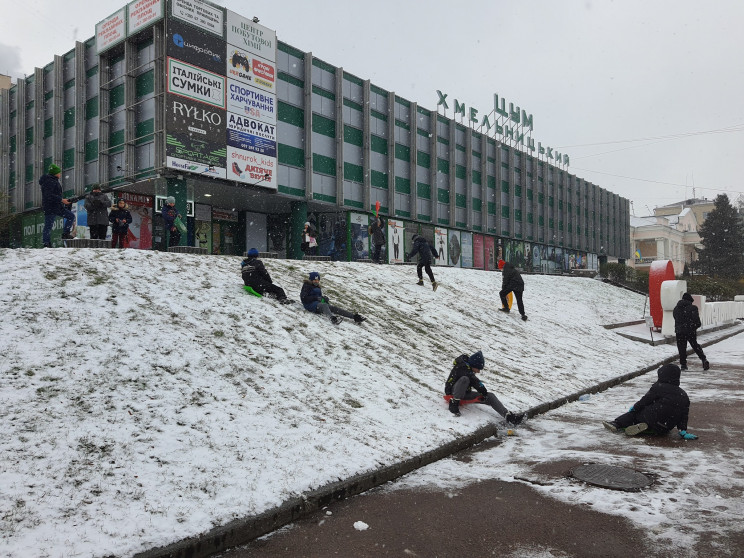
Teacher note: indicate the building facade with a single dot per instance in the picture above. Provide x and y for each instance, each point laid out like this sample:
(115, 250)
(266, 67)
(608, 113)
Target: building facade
(303, 140)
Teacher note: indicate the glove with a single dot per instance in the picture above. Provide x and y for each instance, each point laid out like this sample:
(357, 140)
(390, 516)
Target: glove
(687, 436)
(482, 390)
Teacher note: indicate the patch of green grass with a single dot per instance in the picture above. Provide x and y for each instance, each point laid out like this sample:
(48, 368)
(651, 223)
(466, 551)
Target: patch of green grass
(219, 333)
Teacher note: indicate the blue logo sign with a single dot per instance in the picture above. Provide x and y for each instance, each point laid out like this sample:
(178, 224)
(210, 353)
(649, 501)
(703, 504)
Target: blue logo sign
(178, 40)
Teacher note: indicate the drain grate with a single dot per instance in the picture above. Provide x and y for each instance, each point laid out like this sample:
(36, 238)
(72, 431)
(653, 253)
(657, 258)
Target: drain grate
(609, 476)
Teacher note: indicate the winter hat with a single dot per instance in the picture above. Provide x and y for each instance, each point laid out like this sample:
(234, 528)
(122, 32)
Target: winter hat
(253, 252)
(687, 297)
(54, 169)
(307, 223)
(95, 187)
(477, 361)
(669, 374)
(314, 275)
(170, 200)
(414, 237)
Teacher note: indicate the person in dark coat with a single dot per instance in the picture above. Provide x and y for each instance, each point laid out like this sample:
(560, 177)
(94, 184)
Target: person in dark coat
(686, 323)
(170, 213)
(257, 277)
(665, 406)
(425, 252)
(378, 239)
(120, 219)
(511, 281)
(54, 205)
(463, 385)
(313, 300)
(97, 205)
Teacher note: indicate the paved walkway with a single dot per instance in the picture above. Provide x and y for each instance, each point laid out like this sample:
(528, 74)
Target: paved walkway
(514, 496)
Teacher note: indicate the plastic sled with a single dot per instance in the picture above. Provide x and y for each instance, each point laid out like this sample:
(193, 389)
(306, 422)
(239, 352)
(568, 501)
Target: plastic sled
(250, 291)
(479, 399)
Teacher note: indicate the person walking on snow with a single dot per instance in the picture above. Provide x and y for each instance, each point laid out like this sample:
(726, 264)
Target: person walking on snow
(378, 238)
(257, 277)
(511, 281)
(664, 406)
(54, 205)
(425, 251)
(313, 300)
(463, 385)
(686, 323)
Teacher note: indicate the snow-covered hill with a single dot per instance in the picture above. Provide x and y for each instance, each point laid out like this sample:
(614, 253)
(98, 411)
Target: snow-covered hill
(144, 397)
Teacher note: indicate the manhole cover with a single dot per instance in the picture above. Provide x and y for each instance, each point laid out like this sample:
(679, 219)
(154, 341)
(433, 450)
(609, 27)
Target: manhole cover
(609, 476)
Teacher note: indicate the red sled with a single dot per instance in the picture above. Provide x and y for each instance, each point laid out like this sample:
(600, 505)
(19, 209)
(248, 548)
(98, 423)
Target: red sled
(478, 399)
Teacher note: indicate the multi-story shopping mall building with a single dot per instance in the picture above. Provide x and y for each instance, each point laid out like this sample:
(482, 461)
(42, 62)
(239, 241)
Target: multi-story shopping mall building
(254, 137)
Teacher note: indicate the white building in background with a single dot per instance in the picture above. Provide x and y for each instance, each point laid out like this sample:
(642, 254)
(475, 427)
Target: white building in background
(668, 237)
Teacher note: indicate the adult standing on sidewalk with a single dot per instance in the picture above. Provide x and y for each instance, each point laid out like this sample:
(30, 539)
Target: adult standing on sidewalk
(54, 205)
(511, 281)
(97, 204)
(686, 323)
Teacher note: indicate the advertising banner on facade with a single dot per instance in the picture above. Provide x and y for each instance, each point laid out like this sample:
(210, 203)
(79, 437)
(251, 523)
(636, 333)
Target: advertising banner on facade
(251, 135)
(395, 240)
(248, 35)
(479, 260)
(196, 83)
(489, 244)
(195, 137)
(251, 70)
(455, 250)
(248, 101)
(441, 245)
(251, 168)
(111, 31)
(209, 18)
(358, 223)
(466, 245)
(197, 47)
(139, 234)
(142, 13)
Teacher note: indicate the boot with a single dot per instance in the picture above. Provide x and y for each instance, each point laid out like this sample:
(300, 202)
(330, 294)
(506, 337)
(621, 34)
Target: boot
(683, 366)
(524, 317)
(335, 320)
(502, 309)
(420, 282)
(434, 285)
(359, 319)
(454, 407)
(706, 365)
(634, 429)
(67, 236)
(514, 418)
(611, 425)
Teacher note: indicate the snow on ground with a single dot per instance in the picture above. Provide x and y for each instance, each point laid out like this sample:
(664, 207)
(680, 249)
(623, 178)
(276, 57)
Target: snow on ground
(698, 485)
(146, 398)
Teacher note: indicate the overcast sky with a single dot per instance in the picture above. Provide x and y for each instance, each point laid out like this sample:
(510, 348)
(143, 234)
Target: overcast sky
(644, 96)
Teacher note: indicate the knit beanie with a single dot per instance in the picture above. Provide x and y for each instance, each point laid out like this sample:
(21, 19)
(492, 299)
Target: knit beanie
(477, 361)
(253, 252)
(54, 169)
(170, 200)
(687, 297)
(314, 275)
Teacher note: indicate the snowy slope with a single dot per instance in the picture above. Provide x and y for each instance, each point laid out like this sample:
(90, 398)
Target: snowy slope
(144, 397)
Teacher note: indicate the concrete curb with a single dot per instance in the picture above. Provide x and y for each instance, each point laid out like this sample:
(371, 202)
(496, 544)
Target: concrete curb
(243, 531)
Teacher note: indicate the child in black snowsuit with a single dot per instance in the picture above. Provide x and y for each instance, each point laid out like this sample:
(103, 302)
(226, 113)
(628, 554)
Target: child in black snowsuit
(120, 218)
(463, 384)
(257, 277)
(426, 252)
(664, 406)
(313, 300)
